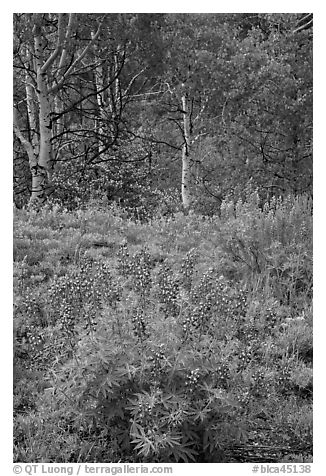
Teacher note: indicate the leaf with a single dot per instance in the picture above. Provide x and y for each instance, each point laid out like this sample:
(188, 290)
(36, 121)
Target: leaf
(184, 454)
(136, 429)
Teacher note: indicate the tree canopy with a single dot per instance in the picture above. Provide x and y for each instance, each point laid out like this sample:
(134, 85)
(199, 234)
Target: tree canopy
(126, 106)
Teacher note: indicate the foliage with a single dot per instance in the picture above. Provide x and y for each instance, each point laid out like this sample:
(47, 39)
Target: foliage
(166, 340)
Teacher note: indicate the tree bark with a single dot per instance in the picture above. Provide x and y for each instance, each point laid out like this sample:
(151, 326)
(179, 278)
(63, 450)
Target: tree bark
(186, 178)
(42, 171)
(100, 82)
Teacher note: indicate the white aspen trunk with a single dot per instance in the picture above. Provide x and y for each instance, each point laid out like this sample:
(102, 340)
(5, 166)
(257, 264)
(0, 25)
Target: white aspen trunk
(110, 98)
(58, 132)
(31, 106)
(114, 94)
(117, 80)
(99, 122)
(58, 128)
(42, 172)
(32, 157)
(186, 178)
(99, 84)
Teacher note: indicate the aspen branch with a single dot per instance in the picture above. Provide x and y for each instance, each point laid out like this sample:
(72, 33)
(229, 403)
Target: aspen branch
(64, 50)
(146, 94)
(304, 23)
(131, 82)
(306, 26)
(201, 110)
(58, 48)
(78, 59)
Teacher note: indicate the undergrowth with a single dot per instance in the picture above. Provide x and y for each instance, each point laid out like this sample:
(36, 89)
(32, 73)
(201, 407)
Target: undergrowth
(183, 339)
